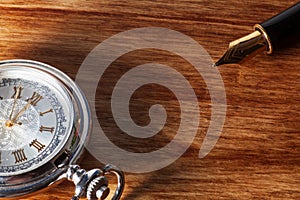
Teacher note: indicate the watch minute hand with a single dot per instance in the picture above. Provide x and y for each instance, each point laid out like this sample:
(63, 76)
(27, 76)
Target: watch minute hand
(17, 94)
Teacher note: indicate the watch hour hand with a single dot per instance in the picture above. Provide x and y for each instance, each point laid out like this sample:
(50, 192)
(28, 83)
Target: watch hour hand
(13, 120)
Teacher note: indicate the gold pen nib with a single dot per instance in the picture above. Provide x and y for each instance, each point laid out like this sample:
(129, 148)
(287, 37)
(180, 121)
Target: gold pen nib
(243, 49)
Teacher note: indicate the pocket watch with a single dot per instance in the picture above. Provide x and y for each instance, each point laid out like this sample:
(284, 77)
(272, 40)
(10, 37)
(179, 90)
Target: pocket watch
(44, 124)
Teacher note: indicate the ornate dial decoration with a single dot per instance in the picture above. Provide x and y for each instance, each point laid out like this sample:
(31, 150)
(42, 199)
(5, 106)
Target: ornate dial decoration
(32, 124)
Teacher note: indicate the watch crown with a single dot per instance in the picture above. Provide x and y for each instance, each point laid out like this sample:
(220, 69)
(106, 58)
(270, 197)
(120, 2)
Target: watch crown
(93, 184)
(98, 189)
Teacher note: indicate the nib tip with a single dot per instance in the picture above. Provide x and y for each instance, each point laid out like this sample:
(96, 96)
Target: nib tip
(218, 63)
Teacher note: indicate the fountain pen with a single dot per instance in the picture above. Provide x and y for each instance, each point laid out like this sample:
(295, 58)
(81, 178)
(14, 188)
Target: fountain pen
(268, 36)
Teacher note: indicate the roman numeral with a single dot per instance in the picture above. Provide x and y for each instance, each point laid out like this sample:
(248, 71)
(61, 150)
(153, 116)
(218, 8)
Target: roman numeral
(48, 111)
(19, 155)
(17, 92)
(35, 98)
(45, 128)
(36, 144)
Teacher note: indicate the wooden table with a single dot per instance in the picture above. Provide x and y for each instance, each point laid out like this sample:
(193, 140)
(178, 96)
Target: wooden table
(257, 155)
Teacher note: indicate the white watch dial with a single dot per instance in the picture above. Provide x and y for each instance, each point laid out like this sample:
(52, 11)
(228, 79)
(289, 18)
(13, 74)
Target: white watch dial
(35, 122)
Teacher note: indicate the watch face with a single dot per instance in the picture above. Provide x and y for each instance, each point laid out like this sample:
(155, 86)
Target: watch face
(36, 118)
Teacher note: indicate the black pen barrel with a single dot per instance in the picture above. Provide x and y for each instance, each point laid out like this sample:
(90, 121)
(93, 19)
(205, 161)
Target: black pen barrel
(279, 28)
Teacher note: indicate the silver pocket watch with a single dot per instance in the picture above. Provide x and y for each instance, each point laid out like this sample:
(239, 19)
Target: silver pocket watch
(44, 123)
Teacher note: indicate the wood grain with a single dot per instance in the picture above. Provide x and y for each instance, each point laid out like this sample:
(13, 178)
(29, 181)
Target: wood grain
(257, 155)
